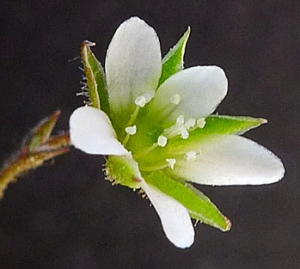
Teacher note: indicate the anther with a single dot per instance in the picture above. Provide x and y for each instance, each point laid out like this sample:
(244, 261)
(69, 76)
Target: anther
(190, 123)
(180, 120)
(162, 141)
(144, 98)
(131, 130)
(175, 99)
(201, 122)
(184, 133)
(140, 101)
(171, 162)
(191, 156)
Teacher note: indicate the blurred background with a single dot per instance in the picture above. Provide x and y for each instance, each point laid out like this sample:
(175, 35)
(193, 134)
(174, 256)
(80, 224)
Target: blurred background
(67, 216)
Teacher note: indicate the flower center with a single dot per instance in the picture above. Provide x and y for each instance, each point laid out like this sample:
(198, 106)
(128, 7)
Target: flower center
(150, 139)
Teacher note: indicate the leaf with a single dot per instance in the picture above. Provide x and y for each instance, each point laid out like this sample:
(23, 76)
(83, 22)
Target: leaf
(55, 143)
(173, 60)
(41, 133)
(38, 148)
(199, 206)
(95, 76)
(25, 162)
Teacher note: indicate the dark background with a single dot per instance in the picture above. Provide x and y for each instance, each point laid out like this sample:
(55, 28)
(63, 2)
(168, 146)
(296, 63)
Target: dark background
(67, 216)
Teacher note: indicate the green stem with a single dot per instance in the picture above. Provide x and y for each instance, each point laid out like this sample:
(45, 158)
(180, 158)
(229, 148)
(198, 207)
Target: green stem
(31, 159)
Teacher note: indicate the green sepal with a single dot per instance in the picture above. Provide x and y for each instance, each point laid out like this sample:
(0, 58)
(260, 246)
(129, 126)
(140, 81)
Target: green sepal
(123, 170)
(238, 125)
(42, 131)
(173, 60)
(217, 124)
(199, 206)
(95, 77)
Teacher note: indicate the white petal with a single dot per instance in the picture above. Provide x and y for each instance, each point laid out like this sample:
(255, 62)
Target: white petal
(200, 89)
(92, 132)
(174, 217)
(133, 64)
(231, 160)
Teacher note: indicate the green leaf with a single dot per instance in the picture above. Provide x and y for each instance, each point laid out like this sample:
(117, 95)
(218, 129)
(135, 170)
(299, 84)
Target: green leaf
(25, 162)
(173, 61)
(41, 133)
(38, 148)
(199, 206)
(95, 76)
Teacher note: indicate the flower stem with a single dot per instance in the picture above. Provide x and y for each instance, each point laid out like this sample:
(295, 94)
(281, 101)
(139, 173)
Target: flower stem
(39, 147)
(129, 123)
(27, 160)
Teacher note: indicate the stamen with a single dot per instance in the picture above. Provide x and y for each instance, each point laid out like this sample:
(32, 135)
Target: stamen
(145, 98)
(162, 141)
(175, 99)
(146, 151)
(190, 123)
(201, 122)
(171, 162)
(184, 133)
(131, 130)
(140, 101)
(191, 156)
(148, 168)
(179, 128)
(180, 120)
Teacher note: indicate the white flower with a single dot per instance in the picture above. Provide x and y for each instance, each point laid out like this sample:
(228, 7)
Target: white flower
(161, 127)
